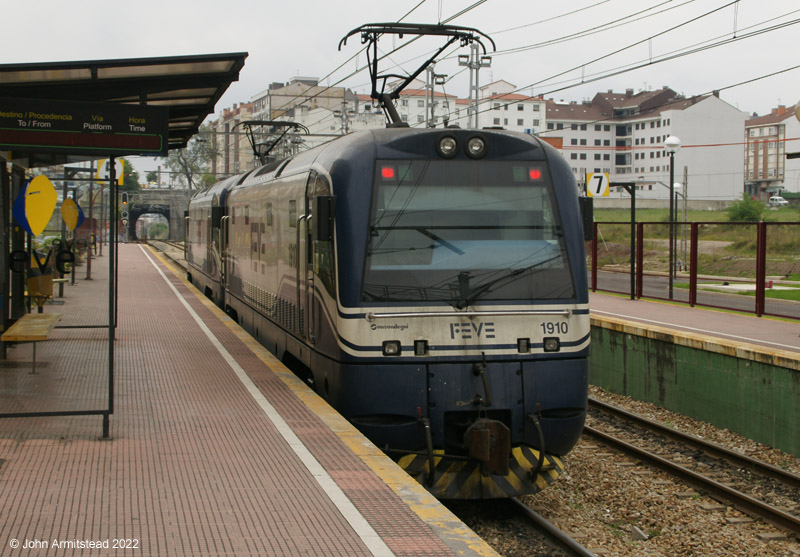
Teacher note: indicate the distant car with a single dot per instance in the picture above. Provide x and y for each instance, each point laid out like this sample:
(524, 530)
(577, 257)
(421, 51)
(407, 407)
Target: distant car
(777, 201)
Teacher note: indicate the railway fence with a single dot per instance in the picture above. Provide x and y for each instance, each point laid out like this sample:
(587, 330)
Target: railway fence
(750, 267)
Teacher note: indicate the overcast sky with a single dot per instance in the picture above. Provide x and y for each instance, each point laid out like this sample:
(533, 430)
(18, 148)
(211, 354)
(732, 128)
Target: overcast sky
(290, 38)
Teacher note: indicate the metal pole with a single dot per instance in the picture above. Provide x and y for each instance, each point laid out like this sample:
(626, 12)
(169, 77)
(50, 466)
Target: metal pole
(685, 211)
(112, 294)
(89, 253)
(65, 190)
(102, 216)
(671, 219)
(633, 241)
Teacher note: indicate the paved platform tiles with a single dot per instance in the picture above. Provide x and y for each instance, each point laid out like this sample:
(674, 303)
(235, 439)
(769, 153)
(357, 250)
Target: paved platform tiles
(772, 335)
(215, 449)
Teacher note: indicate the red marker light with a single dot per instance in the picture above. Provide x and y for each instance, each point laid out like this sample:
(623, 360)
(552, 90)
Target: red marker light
(535, 174)
(387, 172)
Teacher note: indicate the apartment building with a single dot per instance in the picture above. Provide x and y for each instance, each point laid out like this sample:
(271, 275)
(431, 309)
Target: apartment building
(234, 153)
(768, 139)
(623, 135)
(279, 99)
(501, 106)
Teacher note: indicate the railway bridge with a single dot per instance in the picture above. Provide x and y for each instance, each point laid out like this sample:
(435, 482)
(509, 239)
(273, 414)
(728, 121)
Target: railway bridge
(171, 203)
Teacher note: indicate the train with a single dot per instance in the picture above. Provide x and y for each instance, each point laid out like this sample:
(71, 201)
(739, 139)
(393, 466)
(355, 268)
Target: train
(429, 284)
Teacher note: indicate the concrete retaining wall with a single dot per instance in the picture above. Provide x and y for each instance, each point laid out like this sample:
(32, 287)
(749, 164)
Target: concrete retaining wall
(742, 387)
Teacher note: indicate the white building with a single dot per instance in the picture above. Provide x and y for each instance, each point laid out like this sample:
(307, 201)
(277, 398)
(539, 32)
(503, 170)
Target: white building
(501, 106)
(768, 140)
(414, 107)
(234, 154)
(623, 135)
(278, 100)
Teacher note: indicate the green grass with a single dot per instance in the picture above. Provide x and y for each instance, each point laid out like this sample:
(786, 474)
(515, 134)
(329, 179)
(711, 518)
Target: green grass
(793, 294)
(784, 214)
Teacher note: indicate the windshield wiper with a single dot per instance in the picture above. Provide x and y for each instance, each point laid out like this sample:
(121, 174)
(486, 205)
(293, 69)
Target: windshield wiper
(485, 287)
(439, 239)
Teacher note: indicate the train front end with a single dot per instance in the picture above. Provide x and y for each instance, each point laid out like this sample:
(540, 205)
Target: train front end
(464, 322)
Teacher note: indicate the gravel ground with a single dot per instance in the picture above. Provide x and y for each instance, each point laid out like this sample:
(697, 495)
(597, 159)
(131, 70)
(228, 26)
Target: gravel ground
(608, 502)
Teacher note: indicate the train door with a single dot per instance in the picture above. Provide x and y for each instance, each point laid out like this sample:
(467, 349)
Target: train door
(211, 263)
(223, 251)
(317, 216)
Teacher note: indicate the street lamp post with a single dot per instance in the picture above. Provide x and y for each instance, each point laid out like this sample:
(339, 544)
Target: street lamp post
(671, 144)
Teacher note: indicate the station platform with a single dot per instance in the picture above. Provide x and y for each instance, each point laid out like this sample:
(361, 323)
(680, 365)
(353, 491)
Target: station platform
(770, 334)
(215, 448)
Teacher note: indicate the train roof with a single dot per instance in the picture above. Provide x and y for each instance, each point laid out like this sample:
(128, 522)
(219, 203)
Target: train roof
(389, 143)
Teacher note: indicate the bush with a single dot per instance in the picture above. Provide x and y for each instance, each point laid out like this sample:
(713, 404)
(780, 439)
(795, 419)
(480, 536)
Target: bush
(746, 210)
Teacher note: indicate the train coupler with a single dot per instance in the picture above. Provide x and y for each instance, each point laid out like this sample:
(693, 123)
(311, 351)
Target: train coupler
(489, 442)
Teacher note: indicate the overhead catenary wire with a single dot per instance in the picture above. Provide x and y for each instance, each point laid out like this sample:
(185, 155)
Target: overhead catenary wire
(462, 12)
(619, 22)
(629, 46)
(359, 70)
(340, 66)
(698, 47)
(555, 17)
(471, 7)
(604, 75)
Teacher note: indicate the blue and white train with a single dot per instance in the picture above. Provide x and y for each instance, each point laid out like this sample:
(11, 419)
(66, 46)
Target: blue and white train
(429, 284)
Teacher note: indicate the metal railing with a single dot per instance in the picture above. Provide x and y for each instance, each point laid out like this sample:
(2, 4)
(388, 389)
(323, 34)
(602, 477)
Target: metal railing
(749, 267)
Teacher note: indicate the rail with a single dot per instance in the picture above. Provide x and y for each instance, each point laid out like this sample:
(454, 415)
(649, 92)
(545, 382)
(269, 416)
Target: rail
(742, 501)
(562, 539)
(708, 447)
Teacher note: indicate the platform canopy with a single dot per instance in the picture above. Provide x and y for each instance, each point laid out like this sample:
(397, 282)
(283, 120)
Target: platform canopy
(188, 86)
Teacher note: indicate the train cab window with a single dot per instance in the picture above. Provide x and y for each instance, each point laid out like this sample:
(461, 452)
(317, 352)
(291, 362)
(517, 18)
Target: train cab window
(476, 230)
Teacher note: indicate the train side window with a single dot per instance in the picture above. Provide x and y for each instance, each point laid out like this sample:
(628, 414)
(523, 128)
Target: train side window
(269, 213)
(292, 213)
(247, 214)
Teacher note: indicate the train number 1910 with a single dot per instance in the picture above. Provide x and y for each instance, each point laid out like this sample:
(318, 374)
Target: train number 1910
(551, 328)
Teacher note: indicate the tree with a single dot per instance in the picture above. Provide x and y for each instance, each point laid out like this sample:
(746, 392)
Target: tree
(130, 182)
(746, 210)
(191, 163)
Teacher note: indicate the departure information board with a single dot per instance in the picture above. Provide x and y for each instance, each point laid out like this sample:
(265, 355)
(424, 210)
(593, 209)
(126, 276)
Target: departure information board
(83, 128)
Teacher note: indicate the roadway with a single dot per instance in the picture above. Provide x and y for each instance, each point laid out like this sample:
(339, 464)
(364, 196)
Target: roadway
(656, 286)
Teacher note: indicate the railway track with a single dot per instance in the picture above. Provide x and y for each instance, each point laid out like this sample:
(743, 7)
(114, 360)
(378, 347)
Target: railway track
(513, 528)
(559, 538)
(779, 484)
(178, 245)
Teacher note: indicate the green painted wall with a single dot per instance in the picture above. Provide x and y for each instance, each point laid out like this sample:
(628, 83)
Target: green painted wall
(751, 391)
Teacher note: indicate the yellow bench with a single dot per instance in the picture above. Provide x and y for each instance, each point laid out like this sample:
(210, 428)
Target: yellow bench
(31, 327)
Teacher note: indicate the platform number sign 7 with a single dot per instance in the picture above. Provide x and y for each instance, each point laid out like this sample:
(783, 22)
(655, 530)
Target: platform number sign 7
(597, 184)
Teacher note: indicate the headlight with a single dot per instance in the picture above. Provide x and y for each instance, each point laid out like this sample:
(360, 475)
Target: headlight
(476, 147)
(552, 344)
(447, 147)
(391, 348)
